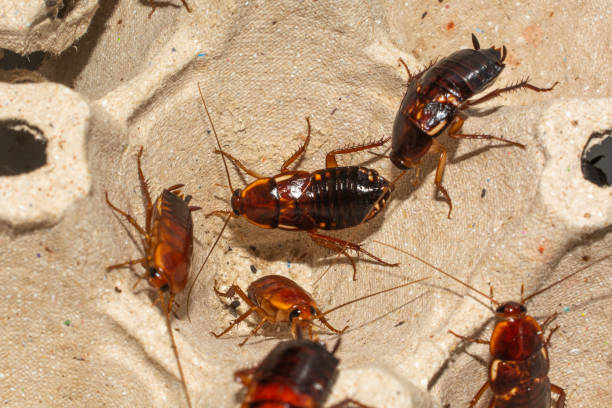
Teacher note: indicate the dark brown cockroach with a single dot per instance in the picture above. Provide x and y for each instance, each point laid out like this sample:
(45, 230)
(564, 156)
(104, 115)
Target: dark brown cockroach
(435, 100)
(168, 245)
(296, 373)
(277, 299)
(154, 6)
(518, 371)
(332, 198)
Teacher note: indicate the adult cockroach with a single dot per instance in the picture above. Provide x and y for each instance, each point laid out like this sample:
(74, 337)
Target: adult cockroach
(168, 245)
(277, 299)
(296, 373)
(332, 198)
(518, 371)
(154, 6)
(435, 100)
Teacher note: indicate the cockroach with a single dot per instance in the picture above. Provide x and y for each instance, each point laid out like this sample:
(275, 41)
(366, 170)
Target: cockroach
(168, 246)
(277, 299)
(332, 198)
(518, 370)
(154, 6)
(296, 373)
(435, 100)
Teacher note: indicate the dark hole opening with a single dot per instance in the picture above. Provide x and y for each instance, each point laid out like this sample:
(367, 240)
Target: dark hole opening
(12, 60)
(596, 158)
(23, 148)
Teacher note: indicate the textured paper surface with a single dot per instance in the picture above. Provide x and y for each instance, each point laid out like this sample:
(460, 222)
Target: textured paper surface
(74, 335)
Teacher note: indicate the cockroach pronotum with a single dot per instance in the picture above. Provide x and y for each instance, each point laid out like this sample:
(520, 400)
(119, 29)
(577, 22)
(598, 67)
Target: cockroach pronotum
(332, 198)
(277, 299)
(168, 245)
(435, 100)
(296, 373)
(154, 6)
(518, 371)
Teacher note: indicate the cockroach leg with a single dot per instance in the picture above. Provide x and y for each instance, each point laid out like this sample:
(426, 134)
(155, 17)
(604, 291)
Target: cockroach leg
(153, 7)
(285, 167)
(239, 164)
(549, 319)
(341, 246)
(127, 216)
(186, 6)
(341, 249)
(330, 159)
(234, 323)
(410, 77)
(437, 147)
(175, 188)
(471, 340)
(235, 289)
(140, 278)
(561, 392)
(552, 331)
(497, 92)
(127, 263)
(254, 331)
(458, 122)
(479, 394)
(144, 189)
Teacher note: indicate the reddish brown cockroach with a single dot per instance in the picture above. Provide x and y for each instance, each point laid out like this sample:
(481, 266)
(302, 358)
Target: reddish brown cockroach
(154, 6)
(296, 373)
(518, 371)
(332, 198)
(277, 299)
(168, 245)
(435, 99)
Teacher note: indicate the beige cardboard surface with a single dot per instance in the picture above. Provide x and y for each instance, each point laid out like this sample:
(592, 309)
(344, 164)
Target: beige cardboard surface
(74, 335)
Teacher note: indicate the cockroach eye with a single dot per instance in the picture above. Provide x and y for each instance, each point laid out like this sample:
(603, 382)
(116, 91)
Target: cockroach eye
(294, 313)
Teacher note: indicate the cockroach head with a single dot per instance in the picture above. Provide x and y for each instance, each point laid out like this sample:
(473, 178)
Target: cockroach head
(158, 279)
(301, 317)
(510, 309)
(236, 201)
(302, 313)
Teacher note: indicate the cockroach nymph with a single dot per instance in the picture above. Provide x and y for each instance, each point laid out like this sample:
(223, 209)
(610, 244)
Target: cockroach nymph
(330, 199)
(168, 246)
(518, 370)
(435, 100)
(276, 299)
(295, 374)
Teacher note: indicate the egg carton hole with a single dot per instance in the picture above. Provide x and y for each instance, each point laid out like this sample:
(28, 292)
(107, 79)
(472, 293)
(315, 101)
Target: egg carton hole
(596, 160)
(11, 60)
(23, 148)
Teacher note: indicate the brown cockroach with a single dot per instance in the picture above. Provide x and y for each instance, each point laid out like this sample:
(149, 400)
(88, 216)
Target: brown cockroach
(296, 373)
(154, 6)
(332, 198)
(518, 370)
(277, 299)
(168, 246)
(435, 100)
